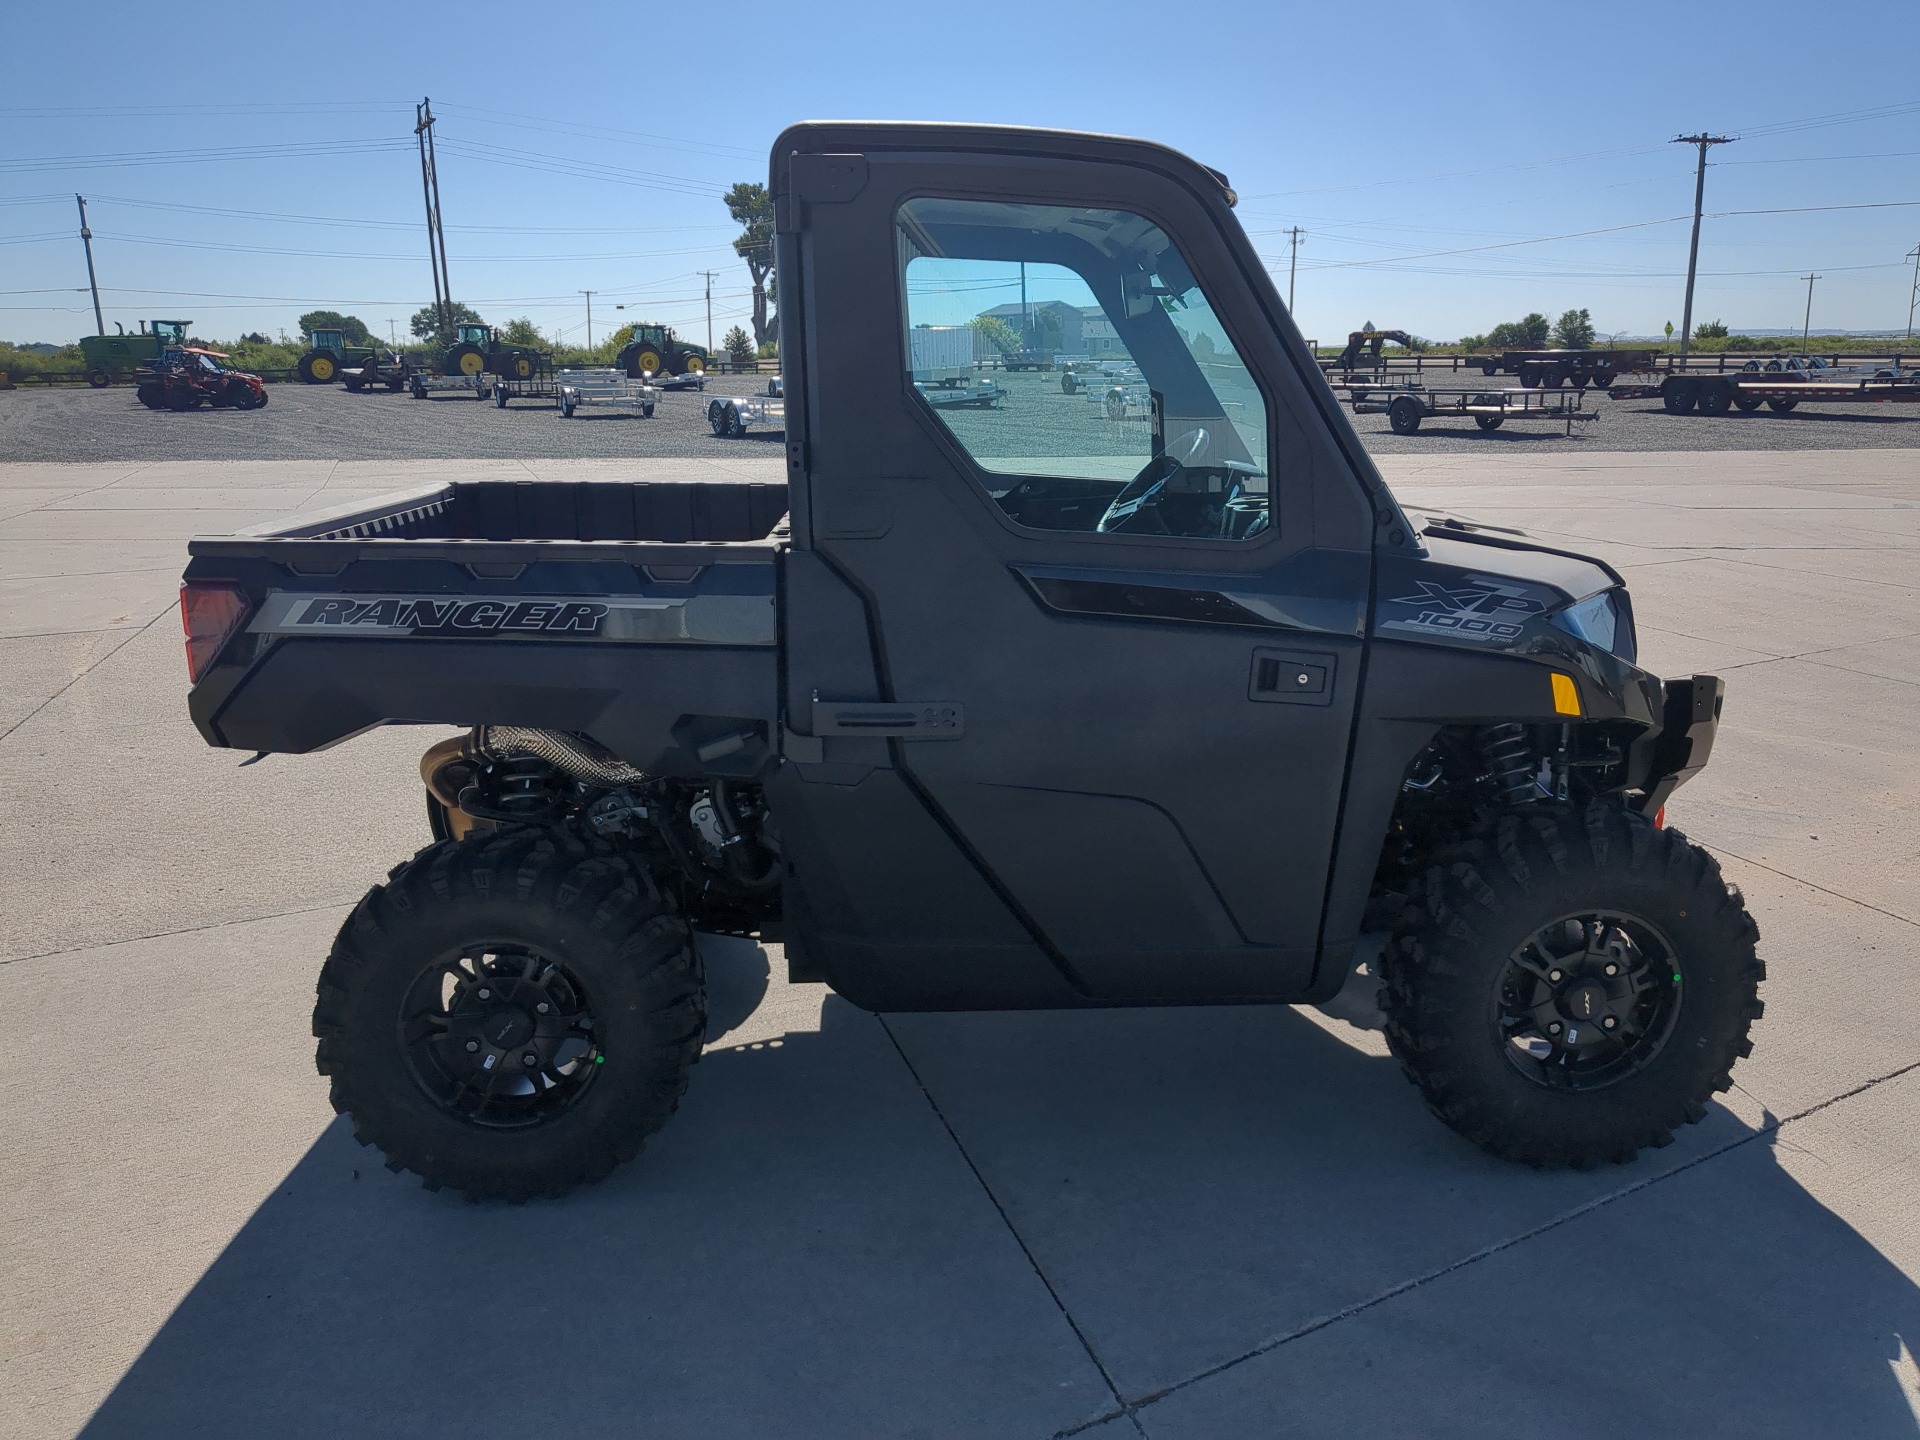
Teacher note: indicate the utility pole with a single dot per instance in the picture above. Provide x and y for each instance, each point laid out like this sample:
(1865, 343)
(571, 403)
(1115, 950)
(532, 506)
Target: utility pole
(1806, 327)
(709, 274)
(1293, 259)
(1703, 140)
(87, 239)
(589, 295)
(1914, 294)
(436, 235)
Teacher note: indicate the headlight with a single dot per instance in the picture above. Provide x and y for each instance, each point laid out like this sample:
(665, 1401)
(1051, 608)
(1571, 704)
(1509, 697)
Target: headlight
(1604, 620)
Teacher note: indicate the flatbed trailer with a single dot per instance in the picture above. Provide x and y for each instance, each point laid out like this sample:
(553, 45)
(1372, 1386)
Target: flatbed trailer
(1407, 406)
(1782, 392)
(983, 395)
(1553, 368)
(610, 388)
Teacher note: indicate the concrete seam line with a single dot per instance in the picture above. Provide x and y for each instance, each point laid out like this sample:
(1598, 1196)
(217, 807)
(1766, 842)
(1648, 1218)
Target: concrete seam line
(1851, 900)
(1018, 1239)
(132, 634)
(183, 930)
(1579, 1211)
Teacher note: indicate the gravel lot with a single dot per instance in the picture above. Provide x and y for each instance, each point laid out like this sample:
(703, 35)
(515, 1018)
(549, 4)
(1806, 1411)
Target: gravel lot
(327, 423)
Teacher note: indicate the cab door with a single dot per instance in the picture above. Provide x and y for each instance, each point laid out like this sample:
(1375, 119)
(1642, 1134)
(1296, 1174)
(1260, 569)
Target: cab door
(1119, 604)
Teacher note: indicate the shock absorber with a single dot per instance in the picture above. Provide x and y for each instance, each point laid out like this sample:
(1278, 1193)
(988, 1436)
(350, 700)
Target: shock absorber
(1511, 762)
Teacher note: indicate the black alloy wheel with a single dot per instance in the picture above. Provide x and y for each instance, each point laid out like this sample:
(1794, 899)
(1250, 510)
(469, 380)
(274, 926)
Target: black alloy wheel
(1587, 1000)
(500, 1035)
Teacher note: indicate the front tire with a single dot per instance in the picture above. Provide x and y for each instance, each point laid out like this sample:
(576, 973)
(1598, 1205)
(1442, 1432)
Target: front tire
(1573, 987)
(510, 1016)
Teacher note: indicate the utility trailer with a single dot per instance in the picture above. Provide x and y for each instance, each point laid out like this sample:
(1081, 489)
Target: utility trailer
(941, 354)
(609, 388)
(729, 416)
(421, 385)
(1407, 406)
(1748, 390)
(539, 383)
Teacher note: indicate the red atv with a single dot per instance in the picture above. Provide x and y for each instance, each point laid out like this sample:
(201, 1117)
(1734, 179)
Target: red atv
(184, 378)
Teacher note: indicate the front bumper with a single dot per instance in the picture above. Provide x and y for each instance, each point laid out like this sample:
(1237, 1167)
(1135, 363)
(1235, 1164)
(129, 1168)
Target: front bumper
(1679, 750)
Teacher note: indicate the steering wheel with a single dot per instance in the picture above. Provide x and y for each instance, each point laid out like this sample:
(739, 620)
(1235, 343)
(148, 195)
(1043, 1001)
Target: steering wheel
(1136, 509)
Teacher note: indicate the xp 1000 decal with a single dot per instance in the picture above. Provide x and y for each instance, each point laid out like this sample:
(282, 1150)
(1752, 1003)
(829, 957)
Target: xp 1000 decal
(1467, 607)
(702, 619)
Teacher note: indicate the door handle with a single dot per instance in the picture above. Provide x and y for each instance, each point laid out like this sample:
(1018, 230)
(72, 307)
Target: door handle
(1291, 677)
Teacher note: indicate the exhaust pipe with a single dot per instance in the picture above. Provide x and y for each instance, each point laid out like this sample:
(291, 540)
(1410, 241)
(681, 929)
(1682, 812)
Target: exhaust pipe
(571, 754)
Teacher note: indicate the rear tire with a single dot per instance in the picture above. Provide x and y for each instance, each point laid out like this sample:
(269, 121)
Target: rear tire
(99, 379)
(1781, 407)
(1679, 396)
(449, 958)
(1404, 415)
(1464, 963)
(1488, 422)
(1716, 397)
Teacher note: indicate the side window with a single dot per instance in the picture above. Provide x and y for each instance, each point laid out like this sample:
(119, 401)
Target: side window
(1074, 358)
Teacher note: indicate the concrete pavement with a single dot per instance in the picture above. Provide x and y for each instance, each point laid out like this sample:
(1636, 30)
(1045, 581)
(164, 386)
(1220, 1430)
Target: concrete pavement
(1182, 1223)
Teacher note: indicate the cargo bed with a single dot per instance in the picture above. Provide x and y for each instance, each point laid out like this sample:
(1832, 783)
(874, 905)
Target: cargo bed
(578, 606)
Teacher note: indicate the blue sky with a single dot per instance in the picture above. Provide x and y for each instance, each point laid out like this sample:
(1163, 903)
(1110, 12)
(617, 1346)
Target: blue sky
(1431, 153)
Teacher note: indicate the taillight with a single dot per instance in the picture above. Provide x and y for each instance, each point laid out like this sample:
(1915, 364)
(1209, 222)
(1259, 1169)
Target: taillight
(209, 614)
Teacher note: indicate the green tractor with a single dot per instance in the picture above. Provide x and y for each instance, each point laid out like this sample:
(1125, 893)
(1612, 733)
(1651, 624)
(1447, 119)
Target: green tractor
(478, 350)
(655, 350)
(328, 355)
(107, 357)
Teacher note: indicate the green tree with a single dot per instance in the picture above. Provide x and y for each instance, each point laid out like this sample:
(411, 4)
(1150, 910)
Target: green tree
(1710, 330)
(525, 334)
(425, 325)
(739, 345)
(996, 332)
(1574, 330)
(352, 327)
(752, 209)
(1530, 332)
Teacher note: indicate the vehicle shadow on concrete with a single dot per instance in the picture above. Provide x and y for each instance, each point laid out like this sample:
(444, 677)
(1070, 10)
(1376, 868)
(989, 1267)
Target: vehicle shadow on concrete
(804, 1251)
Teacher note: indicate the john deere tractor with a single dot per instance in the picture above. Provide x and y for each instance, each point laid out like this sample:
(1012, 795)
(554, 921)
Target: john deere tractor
(329, 355)
(654, 349)
(479, 350)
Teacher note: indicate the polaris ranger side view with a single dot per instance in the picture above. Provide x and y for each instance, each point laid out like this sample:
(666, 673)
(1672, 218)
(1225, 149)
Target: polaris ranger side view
(983, 708)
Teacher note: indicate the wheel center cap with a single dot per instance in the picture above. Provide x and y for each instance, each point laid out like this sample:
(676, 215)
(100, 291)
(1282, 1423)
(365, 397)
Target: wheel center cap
(1585, 1002)
(507, 1028)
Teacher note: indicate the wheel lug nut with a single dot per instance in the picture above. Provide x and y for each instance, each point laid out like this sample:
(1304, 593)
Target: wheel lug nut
(1553, 975)
(1608, 1023)
(486, 994)
(529, 1059)
(1613, 969)
(542, 1007)
(472, 1045)
(1553, 1028)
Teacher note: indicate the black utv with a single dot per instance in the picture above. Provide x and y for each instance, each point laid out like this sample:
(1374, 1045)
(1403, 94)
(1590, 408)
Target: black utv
(982, 708)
